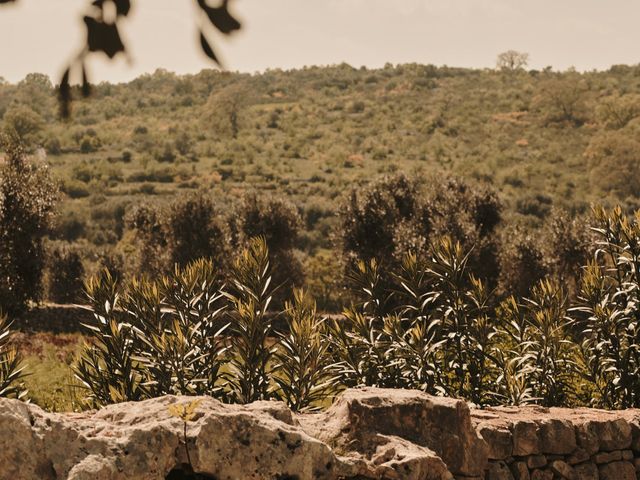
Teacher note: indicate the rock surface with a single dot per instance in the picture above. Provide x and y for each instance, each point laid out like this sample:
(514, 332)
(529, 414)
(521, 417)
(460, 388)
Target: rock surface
(368, 433)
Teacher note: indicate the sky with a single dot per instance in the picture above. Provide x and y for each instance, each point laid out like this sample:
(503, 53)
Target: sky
(42, 35)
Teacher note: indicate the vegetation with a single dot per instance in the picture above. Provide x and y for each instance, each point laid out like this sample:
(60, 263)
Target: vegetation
(11, 369)
(443, 210)
(27, 199)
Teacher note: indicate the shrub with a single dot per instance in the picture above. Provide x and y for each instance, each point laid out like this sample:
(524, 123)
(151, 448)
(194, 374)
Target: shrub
(107, 366)
(186, 334)
(536, 354)
(194, 229)
(155, 338)
(23, 122)
(11, 370)
(302, 360)
(178, 325)
(75, 189)
(250, 351)
(65, 274)
(431, 326)
(395, 215)
(607, 311)
(278, 222)
(439, 335)
(614, 163)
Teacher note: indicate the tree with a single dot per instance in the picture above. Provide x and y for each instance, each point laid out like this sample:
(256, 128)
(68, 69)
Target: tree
(617, 111)
(562, 99)
(224, 109)
(567, 244)
(35, 92)
(511, 60)
(23, 122)
(28, 197)
(614, 163)
(178, 233)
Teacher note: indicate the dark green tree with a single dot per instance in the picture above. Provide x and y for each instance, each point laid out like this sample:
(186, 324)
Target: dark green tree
(28, 197)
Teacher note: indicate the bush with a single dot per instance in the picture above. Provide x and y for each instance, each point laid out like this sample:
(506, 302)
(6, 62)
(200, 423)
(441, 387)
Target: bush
(155, 338)
(607, 312)
(278, 222)
(435, 328)
(65, 273)
(439, 333)
(536, 354)
(194, 229)
(302, 368)
(390, 217)
(75, 189)
(186, 334)
(11, 370)
(250, 328)
(522, 262)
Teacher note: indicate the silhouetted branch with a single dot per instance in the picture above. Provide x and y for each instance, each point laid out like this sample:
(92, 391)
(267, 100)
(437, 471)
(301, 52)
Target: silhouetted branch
(103, 36)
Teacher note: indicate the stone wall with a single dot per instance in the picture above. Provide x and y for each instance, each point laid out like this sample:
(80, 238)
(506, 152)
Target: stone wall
(367, 434)
(535, 443)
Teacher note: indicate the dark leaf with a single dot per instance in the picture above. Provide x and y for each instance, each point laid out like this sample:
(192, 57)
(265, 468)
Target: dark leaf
(6, 1)
(86, 86)
(64, 92)
(122, 6)
(206, 48)
(103, 37)
(220, 16)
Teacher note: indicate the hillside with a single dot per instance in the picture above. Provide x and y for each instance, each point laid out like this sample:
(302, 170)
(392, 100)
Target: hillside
(540, 138)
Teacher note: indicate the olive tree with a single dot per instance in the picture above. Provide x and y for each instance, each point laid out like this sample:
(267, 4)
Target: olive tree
(28, 197)
(512, 60)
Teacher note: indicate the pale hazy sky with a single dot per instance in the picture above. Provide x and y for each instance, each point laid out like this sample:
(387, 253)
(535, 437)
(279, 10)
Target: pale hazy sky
(39, 35)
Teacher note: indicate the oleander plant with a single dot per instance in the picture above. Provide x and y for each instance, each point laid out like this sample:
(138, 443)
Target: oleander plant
(427, 323)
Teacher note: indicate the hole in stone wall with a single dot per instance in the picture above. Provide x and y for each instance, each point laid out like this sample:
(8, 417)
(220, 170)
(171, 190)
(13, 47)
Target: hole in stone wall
(185, 472)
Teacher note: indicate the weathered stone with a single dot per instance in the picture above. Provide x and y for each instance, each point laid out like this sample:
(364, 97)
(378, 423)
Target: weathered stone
(617, 471)
(364, 417)
(615, 435)
(367, 433)
(586, 471)
(557, 436)
(499, 471)
(587, 437)
(579, 455)
(536, 461)
(634, 423)
(520, 471)
(499, 440)
(143, 441)
(606, 457)
(525, 439)
(563, 469)
(542, 475)
(604, 435)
